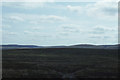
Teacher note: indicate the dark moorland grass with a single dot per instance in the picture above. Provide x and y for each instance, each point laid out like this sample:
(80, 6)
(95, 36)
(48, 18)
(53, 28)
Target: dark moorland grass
(60, 63)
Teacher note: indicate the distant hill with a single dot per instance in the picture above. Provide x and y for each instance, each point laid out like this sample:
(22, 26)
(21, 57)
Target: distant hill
(95, 46)
(18, 46)
(72, 46)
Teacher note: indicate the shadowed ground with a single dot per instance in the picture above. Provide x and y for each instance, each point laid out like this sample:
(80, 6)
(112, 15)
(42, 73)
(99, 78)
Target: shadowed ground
(60, 63)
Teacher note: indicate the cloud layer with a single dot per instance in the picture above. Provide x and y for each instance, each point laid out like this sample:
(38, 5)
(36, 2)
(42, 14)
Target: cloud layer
(60, 23)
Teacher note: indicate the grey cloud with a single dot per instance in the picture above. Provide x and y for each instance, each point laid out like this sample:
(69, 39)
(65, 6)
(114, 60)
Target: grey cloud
(98, 31)
(102, 30)
(95, 37)
(99, 37)
(34, 19)
(70, 28)
(64, 33)
(110, 11)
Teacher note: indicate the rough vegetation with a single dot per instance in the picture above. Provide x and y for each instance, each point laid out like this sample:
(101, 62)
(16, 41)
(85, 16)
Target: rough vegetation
(60, 63)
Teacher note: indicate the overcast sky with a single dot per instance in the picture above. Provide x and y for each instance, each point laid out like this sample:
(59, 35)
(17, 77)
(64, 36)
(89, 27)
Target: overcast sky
(59, 23)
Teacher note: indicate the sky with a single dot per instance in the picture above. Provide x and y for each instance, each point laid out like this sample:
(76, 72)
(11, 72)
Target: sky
(59, 23)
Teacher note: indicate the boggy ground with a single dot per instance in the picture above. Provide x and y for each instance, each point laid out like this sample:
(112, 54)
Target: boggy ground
(60, 63)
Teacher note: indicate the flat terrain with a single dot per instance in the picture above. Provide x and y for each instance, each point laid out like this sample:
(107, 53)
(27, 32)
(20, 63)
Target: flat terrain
(60, 63)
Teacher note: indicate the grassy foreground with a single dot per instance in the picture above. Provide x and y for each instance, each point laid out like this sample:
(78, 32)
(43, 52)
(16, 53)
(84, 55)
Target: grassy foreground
(60, 63)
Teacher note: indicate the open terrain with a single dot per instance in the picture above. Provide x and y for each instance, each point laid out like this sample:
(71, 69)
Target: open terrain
(60, 63)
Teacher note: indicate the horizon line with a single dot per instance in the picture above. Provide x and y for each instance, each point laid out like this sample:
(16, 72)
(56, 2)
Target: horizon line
(62, 45)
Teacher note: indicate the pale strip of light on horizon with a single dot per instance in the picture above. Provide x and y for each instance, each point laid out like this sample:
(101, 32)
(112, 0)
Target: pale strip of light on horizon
(59, 1)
